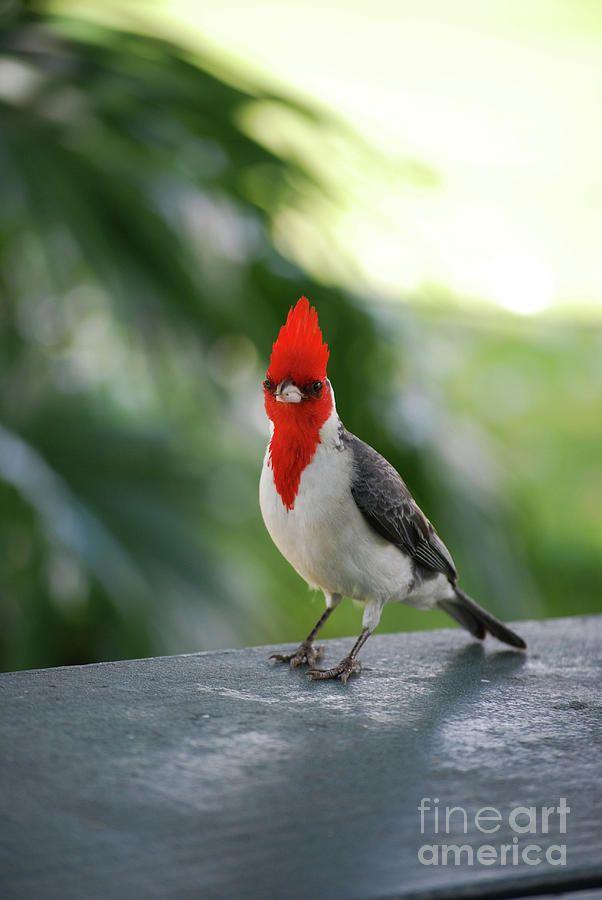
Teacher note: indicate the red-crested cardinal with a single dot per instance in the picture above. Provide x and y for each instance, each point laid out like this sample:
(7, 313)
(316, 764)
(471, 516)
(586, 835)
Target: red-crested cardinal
(340, 513)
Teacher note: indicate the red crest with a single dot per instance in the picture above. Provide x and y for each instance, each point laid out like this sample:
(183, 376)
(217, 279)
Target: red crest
(299, 351)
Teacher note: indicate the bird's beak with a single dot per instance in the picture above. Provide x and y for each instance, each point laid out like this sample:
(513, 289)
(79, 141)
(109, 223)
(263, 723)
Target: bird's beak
(287, 392)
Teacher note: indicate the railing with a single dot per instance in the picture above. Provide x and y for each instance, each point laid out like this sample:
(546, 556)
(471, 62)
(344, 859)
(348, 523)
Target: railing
(222, 775)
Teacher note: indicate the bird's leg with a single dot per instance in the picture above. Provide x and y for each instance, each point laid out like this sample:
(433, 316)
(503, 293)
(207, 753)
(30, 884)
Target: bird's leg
(306, 654)
(348, 666)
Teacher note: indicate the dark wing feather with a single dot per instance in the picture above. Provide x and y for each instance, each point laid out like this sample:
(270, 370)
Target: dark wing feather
(384, 500)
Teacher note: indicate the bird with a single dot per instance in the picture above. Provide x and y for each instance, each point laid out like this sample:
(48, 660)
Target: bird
(341, 514)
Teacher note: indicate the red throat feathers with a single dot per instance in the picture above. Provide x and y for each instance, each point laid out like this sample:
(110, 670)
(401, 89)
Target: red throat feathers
(299, 354)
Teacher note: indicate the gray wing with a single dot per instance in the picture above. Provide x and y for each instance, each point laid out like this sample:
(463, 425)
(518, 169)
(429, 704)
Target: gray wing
(386, 503)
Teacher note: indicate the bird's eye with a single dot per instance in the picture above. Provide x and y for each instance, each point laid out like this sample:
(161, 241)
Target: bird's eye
(268, 384)
(316, 388)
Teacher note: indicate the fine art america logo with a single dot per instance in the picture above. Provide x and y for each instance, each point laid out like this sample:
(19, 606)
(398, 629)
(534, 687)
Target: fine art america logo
(440, 822)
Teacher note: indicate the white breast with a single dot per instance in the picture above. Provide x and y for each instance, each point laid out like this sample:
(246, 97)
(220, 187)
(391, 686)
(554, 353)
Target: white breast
(325, 537)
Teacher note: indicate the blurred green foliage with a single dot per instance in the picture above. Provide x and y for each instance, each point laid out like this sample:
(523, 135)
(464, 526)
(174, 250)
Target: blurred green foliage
(141, 291)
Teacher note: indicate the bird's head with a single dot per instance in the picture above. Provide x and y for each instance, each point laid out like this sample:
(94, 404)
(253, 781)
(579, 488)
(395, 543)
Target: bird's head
(296, 387)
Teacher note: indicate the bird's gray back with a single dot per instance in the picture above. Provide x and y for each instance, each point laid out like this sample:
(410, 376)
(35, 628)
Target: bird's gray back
(385, 501)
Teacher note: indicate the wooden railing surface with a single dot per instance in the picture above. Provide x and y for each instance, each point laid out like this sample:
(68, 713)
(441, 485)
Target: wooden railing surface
(222, 775)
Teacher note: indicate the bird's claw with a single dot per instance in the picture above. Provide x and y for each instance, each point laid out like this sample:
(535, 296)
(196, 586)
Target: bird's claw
(305, 655)
(343, 671)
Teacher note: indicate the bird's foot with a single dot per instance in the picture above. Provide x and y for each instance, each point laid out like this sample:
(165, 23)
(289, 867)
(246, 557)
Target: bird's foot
(343, 670)
(306, 654)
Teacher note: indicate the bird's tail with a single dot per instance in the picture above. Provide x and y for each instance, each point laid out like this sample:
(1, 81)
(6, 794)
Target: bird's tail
(478, 621)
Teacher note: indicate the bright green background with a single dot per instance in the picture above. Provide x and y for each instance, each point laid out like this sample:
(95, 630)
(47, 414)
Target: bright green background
(161, 209)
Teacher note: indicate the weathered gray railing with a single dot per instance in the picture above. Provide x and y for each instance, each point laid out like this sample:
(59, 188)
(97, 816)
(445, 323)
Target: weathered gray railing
(221, 775)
